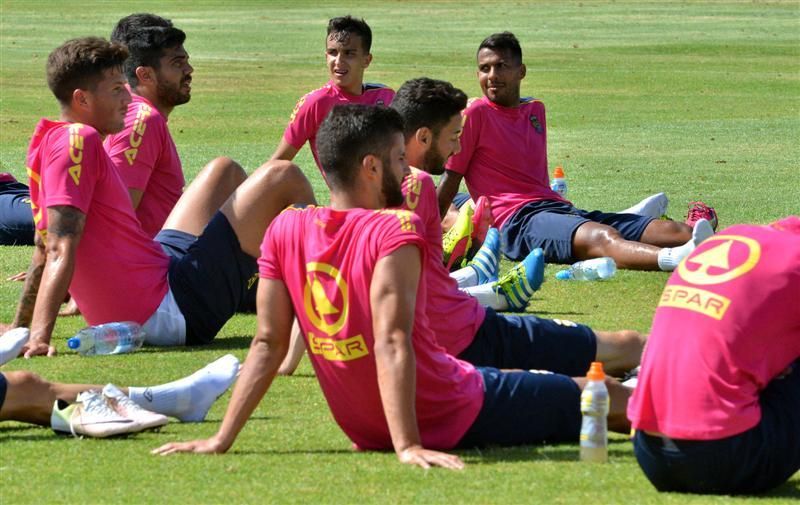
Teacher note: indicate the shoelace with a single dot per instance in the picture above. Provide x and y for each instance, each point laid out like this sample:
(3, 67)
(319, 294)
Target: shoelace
(129, 405)
(95, 404)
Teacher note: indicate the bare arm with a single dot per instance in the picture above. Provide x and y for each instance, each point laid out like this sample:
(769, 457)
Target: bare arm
(284, 151)
(447, 189)
(297, 346)
(393, 299)
(136, 197)
(33, 278)
(275, 315)
(64, 231)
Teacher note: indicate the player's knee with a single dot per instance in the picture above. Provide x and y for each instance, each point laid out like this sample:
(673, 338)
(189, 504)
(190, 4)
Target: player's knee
(25, 379)
(227, 168)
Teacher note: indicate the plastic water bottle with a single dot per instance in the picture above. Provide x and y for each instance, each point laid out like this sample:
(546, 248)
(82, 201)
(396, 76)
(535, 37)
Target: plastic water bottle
(589, 270)
(559, 184)
(109, 338)
(594, 407)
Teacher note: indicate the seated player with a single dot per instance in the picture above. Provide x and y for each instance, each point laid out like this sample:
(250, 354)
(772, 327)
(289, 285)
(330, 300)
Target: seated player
(352, 275)
(96, 248)
(431, 112)
(504, 157)
(717, 405)
(16, 221)
(104, 411)
(347, 54)
(160, 78)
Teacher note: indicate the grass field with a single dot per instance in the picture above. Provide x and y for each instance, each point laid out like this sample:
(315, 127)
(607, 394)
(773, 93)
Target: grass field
(698, 99)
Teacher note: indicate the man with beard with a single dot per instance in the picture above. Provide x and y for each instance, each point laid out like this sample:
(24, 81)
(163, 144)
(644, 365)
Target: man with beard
(353, 275)
(160, 77)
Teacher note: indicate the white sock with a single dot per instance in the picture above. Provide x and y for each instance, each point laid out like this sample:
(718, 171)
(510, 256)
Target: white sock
(189, 398)
(669, 257)
(466, 277)
(652, 206)
(487, 296)
(11, 343)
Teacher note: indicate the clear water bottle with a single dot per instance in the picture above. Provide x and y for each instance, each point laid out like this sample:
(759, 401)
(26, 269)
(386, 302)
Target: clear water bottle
(109, 338)
(589, 270)
(559, 184)
(594, 408)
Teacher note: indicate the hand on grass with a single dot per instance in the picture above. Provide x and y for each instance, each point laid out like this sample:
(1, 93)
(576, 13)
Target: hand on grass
(20, 277)
(425, 458)
(207, 446)
(37, 348)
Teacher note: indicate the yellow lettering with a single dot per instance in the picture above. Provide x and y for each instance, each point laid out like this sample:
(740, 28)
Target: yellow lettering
(338, 350)
(75, 173)
(130, 155)
(697, 300)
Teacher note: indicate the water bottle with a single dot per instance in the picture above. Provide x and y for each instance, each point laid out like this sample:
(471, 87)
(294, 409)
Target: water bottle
(589, 270)
(559, 185)
(109, 338)
(594, 408)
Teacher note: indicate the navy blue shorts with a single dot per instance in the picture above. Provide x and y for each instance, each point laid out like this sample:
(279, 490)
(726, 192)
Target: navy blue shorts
(525, 408)
(757, 460)
(3, 389)
(460, 199)
(529, 342)
(16, 218)
(551, 225)
(210, 280)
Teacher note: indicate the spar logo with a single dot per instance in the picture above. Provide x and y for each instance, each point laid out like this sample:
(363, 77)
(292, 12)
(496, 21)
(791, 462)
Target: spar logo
(325, 299)
(719, 259)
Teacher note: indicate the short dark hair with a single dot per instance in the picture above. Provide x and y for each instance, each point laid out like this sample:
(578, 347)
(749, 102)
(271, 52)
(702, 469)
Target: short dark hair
(430, 103)
(504, 41)
(339, 29)
(146, 36)
(80, 63)
(348, 134)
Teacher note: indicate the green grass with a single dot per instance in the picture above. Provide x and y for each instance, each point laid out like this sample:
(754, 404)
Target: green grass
(698, 99)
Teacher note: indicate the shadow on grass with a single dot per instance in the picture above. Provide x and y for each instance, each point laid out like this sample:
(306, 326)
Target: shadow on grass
(543, 313)
(786, 490)
(223, 344)
(296, 452)
(569, 453)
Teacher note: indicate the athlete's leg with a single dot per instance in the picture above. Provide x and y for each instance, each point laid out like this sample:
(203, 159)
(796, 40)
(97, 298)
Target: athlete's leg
(666, 233)
(205, 195)
(620, 351)
(30, 398)
(270, 189)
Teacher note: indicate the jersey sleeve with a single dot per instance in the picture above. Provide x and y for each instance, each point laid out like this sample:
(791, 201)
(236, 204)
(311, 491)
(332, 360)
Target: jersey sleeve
(302, 123)
(136, 151)
(470, 134)
(404, 229)
(71, 171)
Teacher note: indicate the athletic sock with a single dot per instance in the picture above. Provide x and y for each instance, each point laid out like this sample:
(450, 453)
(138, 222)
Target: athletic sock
(488, 296)
(11, 343)
(652, 206)
(669, 257)
(465, 277)
(190, 398)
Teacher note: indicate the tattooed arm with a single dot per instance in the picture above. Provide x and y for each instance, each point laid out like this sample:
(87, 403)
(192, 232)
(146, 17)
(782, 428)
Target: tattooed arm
(64, 231)
(32, 279)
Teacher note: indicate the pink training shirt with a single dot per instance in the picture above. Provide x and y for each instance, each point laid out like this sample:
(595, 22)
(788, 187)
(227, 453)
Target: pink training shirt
(120, 272)
(326, 258)
(726, 325)
(312, 108)
(147, 159)
(504, 155)
(454, 316)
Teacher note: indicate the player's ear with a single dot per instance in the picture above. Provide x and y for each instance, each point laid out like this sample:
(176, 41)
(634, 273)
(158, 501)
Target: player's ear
(80, 98)
(369, 166)
(424, 136)
(367, 60)
(145, 75)
(522, 71)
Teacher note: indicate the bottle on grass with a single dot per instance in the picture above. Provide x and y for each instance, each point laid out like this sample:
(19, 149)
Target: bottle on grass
(108, 338)
(594, 408)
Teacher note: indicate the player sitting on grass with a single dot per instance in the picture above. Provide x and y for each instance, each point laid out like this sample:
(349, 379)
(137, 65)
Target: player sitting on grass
(717, 405)
(353, 275)
(431, 112)
(93, 243)
(347, 55)
(504, 157)
(98, 411)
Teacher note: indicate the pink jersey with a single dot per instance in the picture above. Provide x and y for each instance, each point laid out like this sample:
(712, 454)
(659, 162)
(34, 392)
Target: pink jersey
(312, 108)
(453, 315)
(726, 325)
(326, 258)
(147, 160)
(504, 155)
(120, 272)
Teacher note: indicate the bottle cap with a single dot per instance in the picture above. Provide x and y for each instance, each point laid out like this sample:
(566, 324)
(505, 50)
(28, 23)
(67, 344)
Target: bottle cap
(596, 372)
(74, 342)
(564, 275)
(558, 173)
